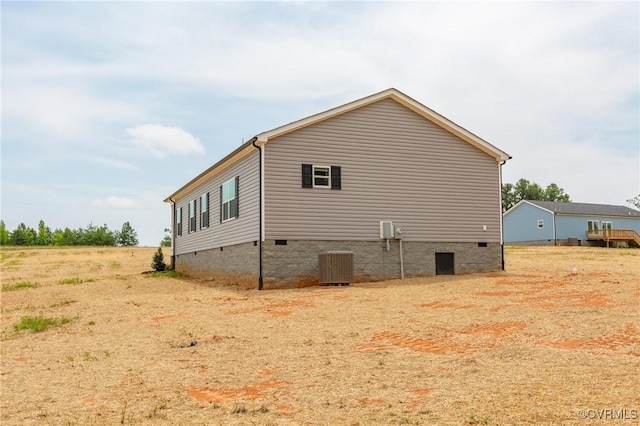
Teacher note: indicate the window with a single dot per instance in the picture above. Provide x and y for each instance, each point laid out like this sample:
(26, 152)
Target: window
(179, 220)
(540, 223)
(593, 225)
(192, 216)
(605, 225)
(229, 199)
(321, 176)
(204, 211)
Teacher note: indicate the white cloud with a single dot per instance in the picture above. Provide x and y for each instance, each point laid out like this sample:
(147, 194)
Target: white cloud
(116, 202)
(162, 140)
(65, 111)
(117, 164)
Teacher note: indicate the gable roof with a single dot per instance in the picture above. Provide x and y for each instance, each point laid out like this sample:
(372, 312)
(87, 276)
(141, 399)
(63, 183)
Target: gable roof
(402, 99)
(264, 137)
(585, 209)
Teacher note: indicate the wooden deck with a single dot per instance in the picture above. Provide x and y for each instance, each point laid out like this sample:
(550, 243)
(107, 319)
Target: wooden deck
(628, 235)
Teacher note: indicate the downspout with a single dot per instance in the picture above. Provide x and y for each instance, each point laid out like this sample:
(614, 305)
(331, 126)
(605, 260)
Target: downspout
(555, 237)
(173, 233)
(401, 262)
(500, 164)
(260, 213)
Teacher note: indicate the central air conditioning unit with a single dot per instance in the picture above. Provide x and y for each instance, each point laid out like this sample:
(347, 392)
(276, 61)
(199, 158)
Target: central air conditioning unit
(336, 267)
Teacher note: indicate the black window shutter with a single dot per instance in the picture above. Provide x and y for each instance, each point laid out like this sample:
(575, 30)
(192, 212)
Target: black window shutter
(207, 215)
(195, 214)
(237, 196)
(336, 177)
(307, 175)
(221, 204)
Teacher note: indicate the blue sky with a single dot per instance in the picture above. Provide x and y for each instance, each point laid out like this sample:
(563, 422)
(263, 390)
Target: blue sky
(108, 107)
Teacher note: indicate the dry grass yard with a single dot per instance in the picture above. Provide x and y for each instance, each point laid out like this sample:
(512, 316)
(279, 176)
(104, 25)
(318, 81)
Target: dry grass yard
(533, 345)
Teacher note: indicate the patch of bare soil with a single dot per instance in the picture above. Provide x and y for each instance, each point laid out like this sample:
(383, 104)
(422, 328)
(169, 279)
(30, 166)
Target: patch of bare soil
(275, 309)
(250, 393)
(556, 333)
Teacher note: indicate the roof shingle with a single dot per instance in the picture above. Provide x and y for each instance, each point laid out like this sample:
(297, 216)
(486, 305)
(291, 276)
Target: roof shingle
(586, 209)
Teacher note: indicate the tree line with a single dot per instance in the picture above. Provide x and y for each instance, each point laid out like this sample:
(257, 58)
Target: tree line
(91, 235)
(525, 190)
(102, 236)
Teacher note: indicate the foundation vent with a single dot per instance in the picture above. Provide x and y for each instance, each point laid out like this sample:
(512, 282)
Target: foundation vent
(336, 267)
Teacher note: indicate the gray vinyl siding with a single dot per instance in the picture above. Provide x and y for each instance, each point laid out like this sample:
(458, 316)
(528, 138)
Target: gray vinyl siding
(239, 230)
(396, 165)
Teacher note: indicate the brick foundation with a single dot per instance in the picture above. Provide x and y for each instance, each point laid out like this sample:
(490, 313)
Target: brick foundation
(237, 264)
(296, 263)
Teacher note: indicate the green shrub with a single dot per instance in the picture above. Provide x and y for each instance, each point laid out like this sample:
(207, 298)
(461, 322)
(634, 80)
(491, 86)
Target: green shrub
(158, 261)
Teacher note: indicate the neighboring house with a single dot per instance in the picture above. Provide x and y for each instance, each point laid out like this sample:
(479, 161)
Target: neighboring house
(548, 222)
(264, 213)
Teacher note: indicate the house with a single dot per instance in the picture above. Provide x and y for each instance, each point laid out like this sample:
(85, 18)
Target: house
(405, 190)
(548, 222)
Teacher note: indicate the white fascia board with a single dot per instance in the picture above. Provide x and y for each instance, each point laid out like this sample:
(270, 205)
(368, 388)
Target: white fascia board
(539, 207)
(316, 118)
(449, 125)
(519, 203)
(606, 216)
(213, 171)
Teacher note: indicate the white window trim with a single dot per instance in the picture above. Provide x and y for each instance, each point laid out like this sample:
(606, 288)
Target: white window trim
(228, 202)
(328, 177)
(179, 228)
(204, 209)
(203, 206)
(228, 219)
(195, 214)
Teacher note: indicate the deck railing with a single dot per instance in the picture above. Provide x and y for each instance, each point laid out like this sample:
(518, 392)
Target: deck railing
(614, 235)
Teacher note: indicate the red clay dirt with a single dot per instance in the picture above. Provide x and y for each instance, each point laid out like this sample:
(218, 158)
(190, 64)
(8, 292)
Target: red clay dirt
(445, 305)
(249, 393)
(274, 309)
(626, 338)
